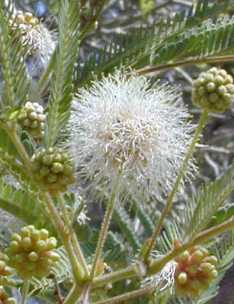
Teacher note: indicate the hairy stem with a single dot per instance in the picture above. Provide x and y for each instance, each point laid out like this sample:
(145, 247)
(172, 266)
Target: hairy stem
(105, 227)
(151, 244)
(74, 240)
(185, 62)
(25, 290)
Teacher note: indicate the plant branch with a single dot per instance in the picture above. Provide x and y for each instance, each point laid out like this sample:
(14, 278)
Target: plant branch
(73, 295)
(157, 265)
(65, 237)
(128, 296)
(152, 241)
(25, 290)
(185, 62)
(74, 240)
(12, 133)
(105, 226)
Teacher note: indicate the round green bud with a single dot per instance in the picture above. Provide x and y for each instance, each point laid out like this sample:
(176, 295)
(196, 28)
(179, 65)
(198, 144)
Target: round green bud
(14, 245)
(44, 234)
(26, 243)
(16, 237)
(52, 243)
(41, 245)
(32, 115)
(207, 267)
(56, 172)
(197, 256)
(57, 167)
(33, 256)
(211, 259)
(213, 274)
(25, 231)
(47, 160)
(182, 278)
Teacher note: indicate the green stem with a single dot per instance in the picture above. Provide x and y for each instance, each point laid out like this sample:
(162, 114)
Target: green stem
(73, 295)
(25, 290)
(157, 265)
(185, 62)
(128, 296)
(65, 237)
(105, 227)
(12, 133)
(151, 244)
(74, 240)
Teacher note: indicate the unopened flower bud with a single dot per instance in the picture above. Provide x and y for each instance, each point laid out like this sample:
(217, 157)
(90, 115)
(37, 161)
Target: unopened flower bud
(32, 256)
(213, 91)
(55, 169)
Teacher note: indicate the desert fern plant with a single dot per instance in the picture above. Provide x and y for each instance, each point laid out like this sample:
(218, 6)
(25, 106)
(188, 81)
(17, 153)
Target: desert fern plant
(111, 138)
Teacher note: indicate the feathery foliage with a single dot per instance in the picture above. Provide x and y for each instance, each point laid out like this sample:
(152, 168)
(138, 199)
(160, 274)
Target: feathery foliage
(61, 83)
(207, 201)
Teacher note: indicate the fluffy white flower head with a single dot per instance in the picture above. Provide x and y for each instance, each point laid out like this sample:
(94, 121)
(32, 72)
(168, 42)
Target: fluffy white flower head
(123, 126)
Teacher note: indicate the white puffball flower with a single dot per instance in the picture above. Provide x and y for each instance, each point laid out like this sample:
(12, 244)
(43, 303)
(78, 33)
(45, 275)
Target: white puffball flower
(122, 125)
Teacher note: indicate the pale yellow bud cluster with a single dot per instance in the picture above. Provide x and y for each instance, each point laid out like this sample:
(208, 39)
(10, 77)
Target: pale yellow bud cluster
(32, 119)
(195, 270)
(25, 18)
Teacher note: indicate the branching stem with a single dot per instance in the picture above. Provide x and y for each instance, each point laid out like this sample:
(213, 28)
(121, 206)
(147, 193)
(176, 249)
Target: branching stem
(156, 265)
(169, 202)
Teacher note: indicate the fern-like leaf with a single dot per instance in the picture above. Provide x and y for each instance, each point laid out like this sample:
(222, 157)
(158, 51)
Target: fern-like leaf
(135, 48)
(207, 201)
(67, 51)
(12, 54)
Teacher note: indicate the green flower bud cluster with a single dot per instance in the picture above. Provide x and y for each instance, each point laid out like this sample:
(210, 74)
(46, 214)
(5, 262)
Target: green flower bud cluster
(195, 270)
(53, 169)
(4, 298)
(32, 119)
(213, 91)
(31, 252)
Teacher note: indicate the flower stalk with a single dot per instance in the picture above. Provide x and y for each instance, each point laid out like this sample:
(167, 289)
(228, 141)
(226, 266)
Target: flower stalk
(25, 290)
(169, 202)
(105, 226)
(75, 243)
